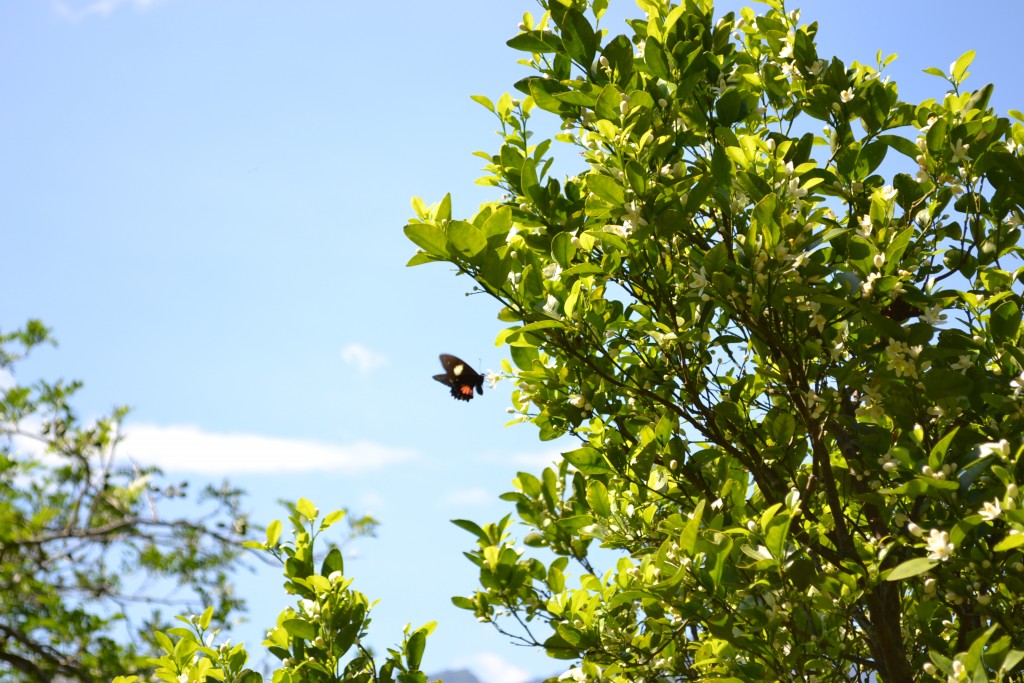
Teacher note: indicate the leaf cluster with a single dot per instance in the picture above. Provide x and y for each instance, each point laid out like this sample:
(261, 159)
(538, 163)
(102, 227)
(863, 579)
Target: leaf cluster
(780, 310)
(84, 548)
(322, 638)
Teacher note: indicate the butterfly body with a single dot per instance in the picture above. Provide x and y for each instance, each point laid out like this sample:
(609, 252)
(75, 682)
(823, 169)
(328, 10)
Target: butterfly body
(461, 378)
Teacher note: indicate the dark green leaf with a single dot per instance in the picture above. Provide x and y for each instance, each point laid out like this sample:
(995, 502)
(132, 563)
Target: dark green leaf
(535, 41)
(911, 568)
(414, 651)
(1005, 322)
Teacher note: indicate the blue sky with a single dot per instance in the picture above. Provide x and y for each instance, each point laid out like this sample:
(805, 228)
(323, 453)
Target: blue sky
(205, 200)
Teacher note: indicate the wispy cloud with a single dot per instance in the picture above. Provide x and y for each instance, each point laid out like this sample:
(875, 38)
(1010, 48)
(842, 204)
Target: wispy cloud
(536, 460)
(492, 668)
(82, 10)
(184, 448)
(364, 359)
(475, 496)
(371, 502)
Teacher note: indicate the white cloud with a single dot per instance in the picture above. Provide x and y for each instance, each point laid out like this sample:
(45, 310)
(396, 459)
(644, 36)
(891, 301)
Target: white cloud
(474, 496)
(371, 501)
(184, 448)
(537, 460)
(79, 10)
(492, 668)
(363, 358)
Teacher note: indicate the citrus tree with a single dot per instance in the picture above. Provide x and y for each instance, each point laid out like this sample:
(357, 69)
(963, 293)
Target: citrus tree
(93, 547)
(778, 308)
(322, 639)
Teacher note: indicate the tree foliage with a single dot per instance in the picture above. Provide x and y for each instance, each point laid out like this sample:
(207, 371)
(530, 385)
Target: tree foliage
(88, 544)
(321, 639)
(779, 308)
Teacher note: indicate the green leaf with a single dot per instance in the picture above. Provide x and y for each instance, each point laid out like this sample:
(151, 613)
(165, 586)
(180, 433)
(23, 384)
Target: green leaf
(578, 35)
(870, 157)
(959, 70)
(543, 92)
(164, 642)
(496, 268)
(562, 249)
(466, 238)
(942, 383)
(428, 237)
(419, 258)
(471, 527)
(484, 101)
(443, 211)
(721, 166)
(597, 497)
(776, 535)
(637, 177)
(332, 518)
(537, 42)
(588, 461)
(894, 252)
(205, 617)
(498, 223)
(607, 188)
(247, 676)
(688, 539)
(273, 533)
(414, 650)
(517, 334)
(333, 562)
(656, 58)
(306, 508)
(299, 628)
(936, 138)
(910, 568)
(1009, 543)
(529, 183)
(937, 455)
(619, 53)
(608, 103)
(902, 145)
(1005, 322)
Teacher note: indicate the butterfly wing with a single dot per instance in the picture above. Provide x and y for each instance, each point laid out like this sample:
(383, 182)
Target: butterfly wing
(460, 377)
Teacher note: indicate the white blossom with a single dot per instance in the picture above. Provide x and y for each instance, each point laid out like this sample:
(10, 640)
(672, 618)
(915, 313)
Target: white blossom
(868, 286)
(865, 225)
(939, 547)
(846, 95)
(552, 306)
(962, 364)
(933, 315)
(1017, 384)
(960, 151)
(574, 674)
(990, 510)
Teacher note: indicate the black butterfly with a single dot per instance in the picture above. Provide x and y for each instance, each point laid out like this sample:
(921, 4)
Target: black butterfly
(460, 377)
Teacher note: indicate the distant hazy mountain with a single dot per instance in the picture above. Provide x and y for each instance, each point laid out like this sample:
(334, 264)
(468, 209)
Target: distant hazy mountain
(460, 676)
(463, 676)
